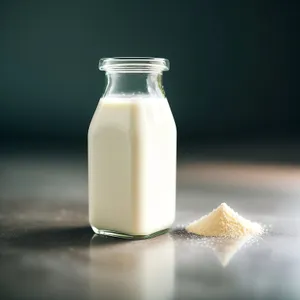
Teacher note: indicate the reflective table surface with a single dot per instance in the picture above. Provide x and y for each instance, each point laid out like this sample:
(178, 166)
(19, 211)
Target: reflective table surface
(48, 251)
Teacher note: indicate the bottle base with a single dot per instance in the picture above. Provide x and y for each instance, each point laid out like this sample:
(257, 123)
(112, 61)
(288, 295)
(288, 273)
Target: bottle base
(126, 236)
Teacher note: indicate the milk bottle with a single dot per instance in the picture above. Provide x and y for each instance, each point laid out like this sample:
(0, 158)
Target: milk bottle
(132, 152)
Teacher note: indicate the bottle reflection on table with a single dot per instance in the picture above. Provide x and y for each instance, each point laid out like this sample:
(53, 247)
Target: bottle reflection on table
(134, 270)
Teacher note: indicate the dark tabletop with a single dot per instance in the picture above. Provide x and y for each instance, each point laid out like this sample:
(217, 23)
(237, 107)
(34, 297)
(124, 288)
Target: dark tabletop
(48, 251)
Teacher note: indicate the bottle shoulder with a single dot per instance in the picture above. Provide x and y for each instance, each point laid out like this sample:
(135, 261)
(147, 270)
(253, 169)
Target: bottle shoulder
(132, 113)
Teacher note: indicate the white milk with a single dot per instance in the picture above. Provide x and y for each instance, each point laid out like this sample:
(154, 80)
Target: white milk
(132, 165)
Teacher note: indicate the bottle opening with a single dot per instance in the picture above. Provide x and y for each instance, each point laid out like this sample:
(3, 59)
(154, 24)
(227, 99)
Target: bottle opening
(134, 64)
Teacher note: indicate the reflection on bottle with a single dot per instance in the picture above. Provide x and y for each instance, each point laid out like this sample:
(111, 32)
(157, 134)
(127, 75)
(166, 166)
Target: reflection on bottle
(226, 248)
(132, 269)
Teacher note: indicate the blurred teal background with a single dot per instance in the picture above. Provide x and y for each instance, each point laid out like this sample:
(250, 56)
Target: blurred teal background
(234, 65)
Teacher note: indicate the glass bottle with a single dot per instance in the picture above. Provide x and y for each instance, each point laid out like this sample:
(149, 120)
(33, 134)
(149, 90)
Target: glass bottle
(132, 151)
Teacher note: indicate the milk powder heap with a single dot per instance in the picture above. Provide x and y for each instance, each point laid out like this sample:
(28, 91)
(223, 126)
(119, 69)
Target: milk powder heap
(224, 222)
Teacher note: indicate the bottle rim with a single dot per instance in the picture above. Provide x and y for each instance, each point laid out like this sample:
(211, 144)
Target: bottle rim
(134, 64)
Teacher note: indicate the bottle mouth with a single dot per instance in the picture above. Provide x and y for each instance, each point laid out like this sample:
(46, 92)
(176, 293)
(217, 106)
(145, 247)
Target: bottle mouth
(134, 64)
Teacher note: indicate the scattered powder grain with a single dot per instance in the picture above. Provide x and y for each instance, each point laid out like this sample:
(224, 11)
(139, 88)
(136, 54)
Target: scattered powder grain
(224, 222)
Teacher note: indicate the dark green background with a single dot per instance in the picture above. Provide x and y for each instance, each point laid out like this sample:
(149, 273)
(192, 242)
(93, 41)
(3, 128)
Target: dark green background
(234, 64)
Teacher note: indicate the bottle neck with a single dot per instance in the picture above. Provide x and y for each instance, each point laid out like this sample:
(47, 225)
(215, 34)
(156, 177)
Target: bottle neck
(131, 84)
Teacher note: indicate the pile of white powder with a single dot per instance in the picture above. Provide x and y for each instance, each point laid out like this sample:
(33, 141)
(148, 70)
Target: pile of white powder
(224, 222)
